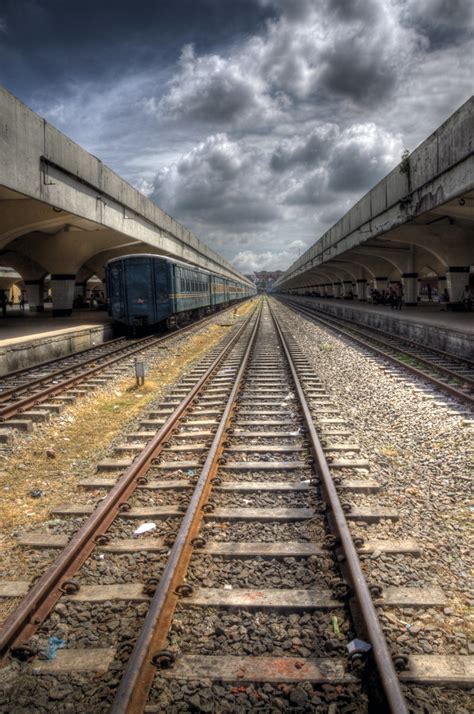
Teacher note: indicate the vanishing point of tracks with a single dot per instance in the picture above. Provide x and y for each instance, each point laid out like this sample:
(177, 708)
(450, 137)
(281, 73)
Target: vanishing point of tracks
(448, 372)
(250, 424)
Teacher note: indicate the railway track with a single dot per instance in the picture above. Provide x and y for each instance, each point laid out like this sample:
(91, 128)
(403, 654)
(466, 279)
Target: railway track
(250, 575)
(451, 374)
(32, 394)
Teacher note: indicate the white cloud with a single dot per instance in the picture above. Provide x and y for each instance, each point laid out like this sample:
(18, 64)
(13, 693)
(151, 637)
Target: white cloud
(212, 88)
(249, 261)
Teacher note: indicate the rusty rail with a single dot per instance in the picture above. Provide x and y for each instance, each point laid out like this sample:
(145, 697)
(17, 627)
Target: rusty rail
(42, 396)
(39, 365)
(134, 688)
(385, 666)
(44, 594)
(444, 386)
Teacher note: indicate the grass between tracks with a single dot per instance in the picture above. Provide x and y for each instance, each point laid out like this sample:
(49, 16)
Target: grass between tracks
(59, 454)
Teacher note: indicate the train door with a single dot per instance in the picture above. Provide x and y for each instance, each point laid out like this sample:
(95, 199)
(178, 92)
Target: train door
(212, 290)
(140, 293)
(115, 291)
(162, 275)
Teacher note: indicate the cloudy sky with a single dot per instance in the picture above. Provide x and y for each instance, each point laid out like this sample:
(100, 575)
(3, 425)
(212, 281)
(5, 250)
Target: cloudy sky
(256, 123)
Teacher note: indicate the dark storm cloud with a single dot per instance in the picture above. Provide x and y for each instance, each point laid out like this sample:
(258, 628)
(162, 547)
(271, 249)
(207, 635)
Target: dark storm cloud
(311, 190)
(360, 159)
(218, 180)
(359, 73)
(442, 22)
(210, 89)
(306, 151)
(350, 10)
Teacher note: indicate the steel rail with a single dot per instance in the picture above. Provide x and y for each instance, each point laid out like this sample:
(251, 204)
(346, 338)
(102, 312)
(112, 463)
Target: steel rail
(38, 397)
(385, 666)
(45, 363)
(365, 330)
(44, 594)
(133, 691)
(12, 391)
(452, 391)
(418, 345)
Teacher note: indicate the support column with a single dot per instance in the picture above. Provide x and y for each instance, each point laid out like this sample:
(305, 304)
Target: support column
(62, 290)
(381, 283)
(80, 289)
(346, 288)
(457, 278)
(441, 287)
(410, 285)
(34, 294)
(362, 289)
(418, 289)
(337, 290)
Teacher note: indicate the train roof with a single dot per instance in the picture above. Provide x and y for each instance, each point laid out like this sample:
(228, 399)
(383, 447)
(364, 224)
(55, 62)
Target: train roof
(171, 260)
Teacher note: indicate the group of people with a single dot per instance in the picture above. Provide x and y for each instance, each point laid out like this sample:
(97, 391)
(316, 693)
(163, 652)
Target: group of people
(96, 301)
(4, 301)
(393, 296)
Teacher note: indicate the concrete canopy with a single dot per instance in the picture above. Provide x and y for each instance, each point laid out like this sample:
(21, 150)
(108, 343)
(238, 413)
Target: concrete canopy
(62, 212)
(420, 215)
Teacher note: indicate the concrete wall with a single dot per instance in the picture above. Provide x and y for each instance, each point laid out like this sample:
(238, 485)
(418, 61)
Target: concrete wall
(440, 169)
(26, 354)
(40, 162)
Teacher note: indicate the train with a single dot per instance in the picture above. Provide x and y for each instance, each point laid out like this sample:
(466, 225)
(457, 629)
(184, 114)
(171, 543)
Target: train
(147, 292)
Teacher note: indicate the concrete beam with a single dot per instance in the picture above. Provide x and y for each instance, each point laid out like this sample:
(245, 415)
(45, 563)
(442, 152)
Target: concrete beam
(49, 182)
(436, 181)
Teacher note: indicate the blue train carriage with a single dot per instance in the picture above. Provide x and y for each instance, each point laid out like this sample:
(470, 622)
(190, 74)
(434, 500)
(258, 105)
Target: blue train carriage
(146, 291)
(139, 290)
(218, 290)
(191, 290)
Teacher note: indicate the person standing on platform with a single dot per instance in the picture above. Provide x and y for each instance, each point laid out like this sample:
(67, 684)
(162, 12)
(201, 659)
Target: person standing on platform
(3, 303)
(399, 298)
(466, 298)
(392, 297)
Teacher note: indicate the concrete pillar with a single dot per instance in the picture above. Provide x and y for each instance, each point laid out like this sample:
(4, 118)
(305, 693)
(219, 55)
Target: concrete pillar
(62, 290)
(362, 289)
(34, 294)
(346, 288)
(337, 290)
(410, 287)
(80, 289)
(381, 283)
(441, 287)
(457, 278)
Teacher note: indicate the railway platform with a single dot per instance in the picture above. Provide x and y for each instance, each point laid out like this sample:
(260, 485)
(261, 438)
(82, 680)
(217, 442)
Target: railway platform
(28, 338)
(431, 324)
